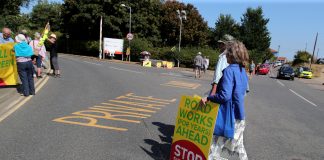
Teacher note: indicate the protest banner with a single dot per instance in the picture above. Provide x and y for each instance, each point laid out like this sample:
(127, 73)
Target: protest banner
(8, 66)
(194, 129)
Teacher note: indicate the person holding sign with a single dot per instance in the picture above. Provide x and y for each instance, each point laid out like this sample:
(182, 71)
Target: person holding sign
(232, 87)
(24, 64)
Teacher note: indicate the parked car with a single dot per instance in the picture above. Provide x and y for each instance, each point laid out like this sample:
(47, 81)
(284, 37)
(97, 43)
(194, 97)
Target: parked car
(263, 69)
(304, 72)
(320, 61)
(286, 72)
(278, 63)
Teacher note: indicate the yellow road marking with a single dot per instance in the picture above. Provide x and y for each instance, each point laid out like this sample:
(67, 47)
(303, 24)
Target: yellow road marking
(139, 104)
(121, 97)
(121, 107)
(21, 101)
(107, 115)
(92, 122)
(117, 111)
(180, 84)
(150, 97)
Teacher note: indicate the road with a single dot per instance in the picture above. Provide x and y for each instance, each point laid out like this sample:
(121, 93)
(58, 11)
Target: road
(106, 111)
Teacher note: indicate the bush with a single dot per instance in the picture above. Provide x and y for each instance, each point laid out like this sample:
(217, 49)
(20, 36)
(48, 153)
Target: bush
(137, 46)
(187, 55)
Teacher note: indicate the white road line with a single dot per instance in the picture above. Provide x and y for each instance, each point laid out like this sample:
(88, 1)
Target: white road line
(93, 63)
(303, 98)
(121, 69)
(280, 83)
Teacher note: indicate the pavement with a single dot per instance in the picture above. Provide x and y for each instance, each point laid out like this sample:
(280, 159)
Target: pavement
(114, 111)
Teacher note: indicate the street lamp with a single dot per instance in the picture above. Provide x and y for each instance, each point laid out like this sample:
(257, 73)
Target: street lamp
(182, 15)
(130, 22)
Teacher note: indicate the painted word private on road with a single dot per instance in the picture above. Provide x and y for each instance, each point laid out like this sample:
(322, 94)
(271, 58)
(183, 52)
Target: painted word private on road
(128, 108)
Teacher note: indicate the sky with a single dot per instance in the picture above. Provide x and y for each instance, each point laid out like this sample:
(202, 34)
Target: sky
(293, 23)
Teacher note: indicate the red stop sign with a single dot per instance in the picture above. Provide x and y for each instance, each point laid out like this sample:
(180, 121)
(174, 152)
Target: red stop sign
(186, 150)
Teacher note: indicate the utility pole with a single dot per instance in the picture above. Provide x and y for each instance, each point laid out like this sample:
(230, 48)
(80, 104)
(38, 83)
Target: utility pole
(100, 39)
(317, 53)
(313, 51)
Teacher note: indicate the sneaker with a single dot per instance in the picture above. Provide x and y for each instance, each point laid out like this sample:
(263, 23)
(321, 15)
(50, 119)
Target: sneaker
(34, 75)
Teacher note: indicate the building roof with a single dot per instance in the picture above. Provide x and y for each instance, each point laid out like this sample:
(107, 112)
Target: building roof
(273, 51)
(281, 58)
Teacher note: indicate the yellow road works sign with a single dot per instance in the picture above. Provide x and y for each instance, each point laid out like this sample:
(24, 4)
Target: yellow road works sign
(169, 65)
(8, 66)
(158, 65)
(147, 63)
(194, 129)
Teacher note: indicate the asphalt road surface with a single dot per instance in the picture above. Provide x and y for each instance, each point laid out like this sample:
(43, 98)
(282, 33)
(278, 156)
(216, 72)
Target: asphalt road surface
(107, 111)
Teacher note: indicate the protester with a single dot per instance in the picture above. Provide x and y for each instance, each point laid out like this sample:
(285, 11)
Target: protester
(198, 62)
(39, 53)
(222, 61)
(25, 33)
(230, 123)
(5, 36)
(252, 68)
(24, 64)
(54, 56)
(206, 63)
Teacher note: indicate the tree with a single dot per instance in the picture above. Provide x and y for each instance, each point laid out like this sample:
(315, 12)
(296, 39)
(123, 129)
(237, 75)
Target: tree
(83, 16)
(194, 29)
(45, 12)
(225, 24)
(301, 57)
(11, 7)
(254, 32)
(10, 16)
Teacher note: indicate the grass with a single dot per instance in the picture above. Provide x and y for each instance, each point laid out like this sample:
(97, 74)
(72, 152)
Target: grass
(317, 69)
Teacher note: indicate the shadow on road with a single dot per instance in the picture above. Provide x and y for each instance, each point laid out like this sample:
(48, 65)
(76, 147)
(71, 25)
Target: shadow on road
(160, 150)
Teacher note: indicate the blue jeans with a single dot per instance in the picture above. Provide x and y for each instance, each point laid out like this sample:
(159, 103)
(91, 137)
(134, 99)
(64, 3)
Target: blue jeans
(25, 71)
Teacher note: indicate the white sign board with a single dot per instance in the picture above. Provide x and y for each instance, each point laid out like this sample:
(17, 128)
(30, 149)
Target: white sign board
(113, 46)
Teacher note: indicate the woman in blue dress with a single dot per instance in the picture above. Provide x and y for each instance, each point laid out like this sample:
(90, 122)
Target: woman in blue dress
(230, 124)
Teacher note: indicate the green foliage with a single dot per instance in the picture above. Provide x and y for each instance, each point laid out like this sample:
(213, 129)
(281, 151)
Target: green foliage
(137, 46)
(254, 31)
(194, 29)
(15, 22)
(11, 7)
(225, 24)
(45, 12)
(82, 19)
(255, 34)
(301, 57)
(187, 55)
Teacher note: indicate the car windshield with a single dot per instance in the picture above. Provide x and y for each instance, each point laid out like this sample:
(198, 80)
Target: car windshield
(306, 69)
(287, 69)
